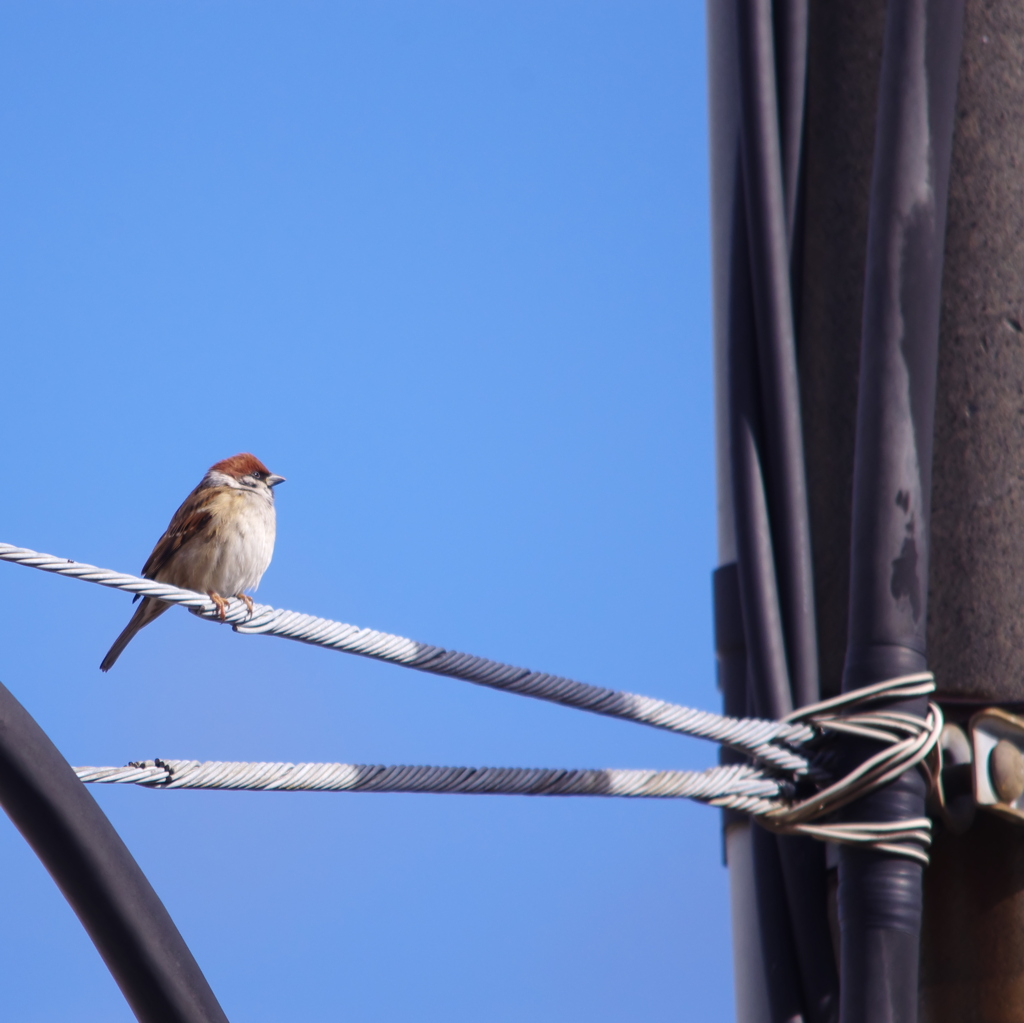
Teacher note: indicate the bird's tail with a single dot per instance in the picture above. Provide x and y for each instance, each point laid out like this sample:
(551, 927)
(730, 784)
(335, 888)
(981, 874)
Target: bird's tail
(149, 609)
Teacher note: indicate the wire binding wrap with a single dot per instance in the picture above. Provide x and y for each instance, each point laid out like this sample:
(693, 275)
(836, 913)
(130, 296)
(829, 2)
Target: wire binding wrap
(771, 743)
(907, 740)
(738, 787)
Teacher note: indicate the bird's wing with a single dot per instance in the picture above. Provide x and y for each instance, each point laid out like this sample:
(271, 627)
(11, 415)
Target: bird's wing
(190, 520)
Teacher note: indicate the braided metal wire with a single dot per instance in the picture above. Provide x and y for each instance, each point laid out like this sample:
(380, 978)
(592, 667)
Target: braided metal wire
(906, 740)
(774, 745)
(771, 743)
(737, 787)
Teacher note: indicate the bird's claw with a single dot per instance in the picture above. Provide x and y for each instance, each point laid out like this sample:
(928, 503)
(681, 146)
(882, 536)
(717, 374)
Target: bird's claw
(222, 605)
(247, 600)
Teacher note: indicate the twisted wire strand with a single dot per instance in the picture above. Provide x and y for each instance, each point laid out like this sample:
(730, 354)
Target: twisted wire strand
(776, 746)
(737, 787)
(772, 743)
(766, 796)
(769, 798)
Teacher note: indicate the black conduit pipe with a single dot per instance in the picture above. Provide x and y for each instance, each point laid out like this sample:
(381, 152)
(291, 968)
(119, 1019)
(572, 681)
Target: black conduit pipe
(771, 915)
(766, 691)
(791, 880)
(790, 24)
(769, 255)
(768, 676)
(880, 895)
(85, 856)
(802, 861)
(776, 931)
(769, 485)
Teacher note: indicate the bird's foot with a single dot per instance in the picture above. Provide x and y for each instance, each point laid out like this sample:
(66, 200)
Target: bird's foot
(247, 600)
(222, 604)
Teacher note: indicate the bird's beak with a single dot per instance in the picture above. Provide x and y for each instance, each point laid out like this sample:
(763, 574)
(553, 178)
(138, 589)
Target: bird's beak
(272, 481)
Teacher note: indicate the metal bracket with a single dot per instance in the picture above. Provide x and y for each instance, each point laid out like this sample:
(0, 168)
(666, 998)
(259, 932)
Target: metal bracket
(997, 742)
(954, 784)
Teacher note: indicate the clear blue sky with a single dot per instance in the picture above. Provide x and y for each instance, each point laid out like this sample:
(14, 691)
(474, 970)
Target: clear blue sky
(445, 266)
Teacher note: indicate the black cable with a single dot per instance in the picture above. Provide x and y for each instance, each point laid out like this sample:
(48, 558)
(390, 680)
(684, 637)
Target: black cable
(85, 856)
(768, 675)
(771, 914)
(778, 951)
(791, 31)
(801, 861)
(769, 254)
(880, 895)
(769, 477)
(731, 658)
(790, 20)
(792, 916)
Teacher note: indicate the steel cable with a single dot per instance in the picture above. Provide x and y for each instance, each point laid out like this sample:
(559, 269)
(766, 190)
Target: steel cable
(783, 751)
(767, 742)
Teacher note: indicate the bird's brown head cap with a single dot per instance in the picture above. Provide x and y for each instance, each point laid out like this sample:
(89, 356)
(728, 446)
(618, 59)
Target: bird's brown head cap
(241, 465)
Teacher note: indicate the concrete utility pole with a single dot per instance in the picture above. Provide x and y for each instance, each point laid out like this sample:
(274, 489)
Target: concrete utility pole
(972, 963)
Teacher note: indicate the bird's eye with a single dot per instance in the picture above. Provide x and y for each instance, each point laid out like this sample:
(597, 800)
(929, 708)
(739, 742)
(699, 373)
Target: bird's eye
(257, 475)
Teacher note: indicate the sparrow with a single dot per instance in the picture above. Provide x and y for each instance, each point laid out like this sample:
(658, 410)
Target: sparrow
(220, 542)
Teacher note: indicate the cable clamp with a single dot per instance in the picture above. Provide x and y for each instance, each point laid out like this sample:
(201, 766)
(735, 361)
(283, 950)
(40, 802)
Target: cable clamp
(908, 740)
